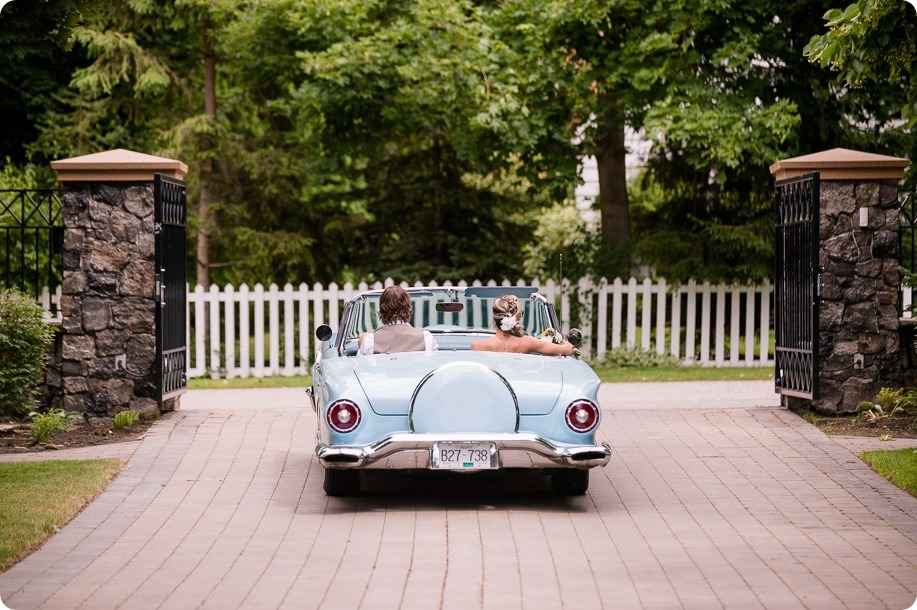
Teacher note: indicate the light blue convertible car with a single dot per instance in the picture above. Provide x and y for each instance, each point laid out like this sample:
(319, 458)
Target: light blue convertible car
(453, 409)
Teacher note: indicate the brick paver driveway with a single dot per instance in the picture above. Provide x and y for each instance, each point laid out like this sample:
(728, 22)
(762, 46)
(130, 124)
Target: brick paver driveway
(714, 497)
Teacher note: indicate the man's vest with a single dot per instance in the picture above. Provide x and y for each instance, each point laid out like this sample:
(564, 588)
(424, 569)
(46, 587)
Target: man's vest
(398, 338)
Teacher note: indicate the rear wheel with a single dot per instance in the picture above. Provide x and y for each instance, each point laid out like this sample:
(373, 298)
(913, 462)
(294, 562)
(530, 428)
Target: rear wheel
(341, 482)
(570, 481)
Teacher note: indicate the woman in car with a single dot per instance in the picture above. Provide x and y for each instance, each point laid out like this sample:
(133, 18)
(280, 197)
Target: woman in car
(511, 337)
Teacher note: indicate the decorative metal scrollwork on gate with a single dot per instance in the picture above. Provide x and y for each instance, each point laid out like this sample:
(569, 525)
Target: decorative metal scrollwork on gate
(171, 288)
(796, 276)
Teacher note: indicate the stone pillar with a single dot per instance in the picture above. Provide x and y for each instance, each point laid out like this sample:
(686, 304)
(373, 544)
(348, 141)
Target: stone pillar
(858, 256)
(107, 353)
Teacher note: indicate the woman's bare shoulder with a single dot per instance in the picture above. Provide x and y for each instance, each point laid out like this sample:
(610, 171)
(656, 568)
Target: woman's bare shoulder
(481, 344)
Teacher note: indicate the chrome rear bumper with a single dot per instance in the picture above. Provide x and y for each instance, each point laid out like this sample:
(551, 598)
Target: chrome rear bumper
(514, 450)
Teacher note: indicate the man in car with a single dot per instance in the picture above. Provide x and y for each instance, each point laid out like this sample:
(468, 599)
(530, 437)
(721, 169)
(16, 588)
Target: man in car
(396, 333)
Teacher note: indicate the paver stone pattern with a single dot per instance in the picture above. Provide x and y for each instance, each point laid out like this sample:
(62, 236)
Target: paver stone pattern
(221, 506)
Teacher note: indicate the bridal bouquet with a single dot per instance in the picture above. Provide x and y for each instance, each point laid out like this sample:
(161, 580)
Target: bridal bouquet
(554, 336)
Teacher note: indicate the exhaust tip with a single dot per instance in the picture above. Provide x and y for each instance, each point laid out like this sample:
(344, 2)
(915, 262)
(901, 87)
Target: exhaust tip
(340, 458)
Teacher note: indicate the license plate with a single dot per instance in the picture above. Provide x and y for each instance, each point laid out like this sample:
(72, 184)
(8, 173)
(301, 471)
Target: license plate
(463, 456)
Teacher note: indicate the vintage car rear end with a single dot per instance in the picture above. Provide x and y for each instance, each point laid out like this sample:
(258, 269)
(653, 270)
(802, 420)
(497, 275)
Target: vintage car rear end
(453, 409)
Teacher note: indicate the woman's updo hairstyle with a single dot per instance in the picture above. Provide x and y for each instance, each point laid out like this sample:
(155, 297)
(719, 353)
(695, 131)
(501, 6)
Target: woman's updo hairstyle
(506, 311)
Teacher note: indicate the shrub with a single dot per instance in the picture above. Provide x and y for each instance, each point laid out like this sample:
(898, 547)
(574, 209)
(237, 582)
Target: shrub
(125, 419)
(624, 357)
(46, 424)
(24, 339)
(888, 403)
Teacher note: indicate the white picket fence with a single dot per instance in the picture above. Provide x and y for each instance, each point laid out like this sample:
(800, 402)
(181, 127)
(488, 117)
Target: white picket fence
(258, 332)
(907, 301)
(45, 299)
(268, 332)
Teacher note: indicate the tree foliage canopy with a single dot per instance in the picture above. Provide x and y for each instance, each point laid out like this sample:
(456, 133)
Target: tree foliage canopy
(871, 41)
(362, 139)
(705, 201)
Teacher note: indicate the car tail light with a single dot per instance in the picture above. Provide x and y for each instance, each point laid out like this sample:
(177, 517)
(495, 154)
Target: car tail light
(343, 416)
(582, 415)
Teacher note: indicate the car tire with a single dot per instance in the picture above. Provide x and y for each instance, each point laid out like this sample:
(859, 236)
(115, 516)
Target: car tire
(570, 481)
(341, 482)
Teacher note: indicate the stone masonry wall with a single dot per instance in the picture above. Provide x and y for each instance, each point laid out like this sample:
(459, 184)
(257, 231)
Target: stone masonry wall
(50, 394)
(108, 345)
(858, 318)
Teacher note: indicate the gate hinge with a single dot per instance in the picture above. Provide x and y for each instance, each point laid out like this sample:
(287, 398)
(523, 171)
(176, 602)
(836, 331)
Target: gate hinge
(819, 284)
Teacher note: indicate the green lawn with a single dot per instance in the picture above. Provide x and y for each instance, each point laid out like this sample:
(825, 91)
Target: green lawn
(683, 373)
(206, 383)
(38, 498)
(898, 466)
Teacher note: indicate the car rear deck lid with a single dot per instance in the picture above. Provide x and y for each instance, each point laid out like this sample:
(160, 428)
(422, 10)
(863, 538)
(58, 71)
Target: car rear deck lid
(389, 380)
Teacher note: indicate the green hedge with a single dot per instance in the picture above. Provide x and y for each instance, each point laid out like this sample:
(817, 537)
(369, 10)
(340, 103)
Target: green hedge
(24, 339)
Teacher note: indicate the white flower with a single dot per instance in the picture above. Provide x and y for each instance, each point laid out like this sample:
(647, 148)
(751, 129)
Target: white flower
(508, 322)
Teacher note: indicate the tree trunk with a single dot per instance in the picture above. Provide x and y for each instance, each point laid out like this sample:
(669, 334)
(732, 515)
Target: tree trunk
(203, 205)
(610, 155)
(210, 71)
(203, 233)
(437, 202)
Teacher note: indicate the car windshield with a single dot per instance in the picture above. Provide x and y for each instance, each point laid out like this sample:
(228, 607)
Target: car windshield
(447, 312)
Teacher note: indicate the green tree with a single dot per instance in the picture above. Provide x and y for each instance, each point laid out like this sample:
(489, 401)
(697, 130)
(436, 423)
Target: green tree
(705, 203)
(284, 210)
(121, 88)
(394, 100)
(153, 66)
(38, 59)
(721, 90)
(871, 41)
(599, 66)
(363, 139)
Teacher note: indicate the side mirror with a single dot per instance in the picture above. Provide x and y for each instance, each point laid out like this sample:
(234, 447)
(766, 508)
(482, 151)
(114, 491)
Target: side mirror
(323, 332)
(575, 337)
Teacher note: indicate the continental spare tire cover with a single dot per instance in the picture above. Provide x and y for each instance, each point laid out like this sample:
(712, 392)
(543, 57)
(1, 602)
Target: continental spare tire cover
(464, 397)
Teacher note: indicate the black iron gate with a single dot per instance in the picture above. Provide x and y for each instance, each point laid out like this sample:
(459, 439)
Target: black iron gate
(796, 290)
(171, 286)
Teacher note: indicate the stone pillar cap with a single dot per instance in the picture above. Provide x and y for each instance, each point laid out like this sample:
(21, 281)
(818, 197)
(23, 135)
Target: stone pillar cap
(842, 164)
(117, 165)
